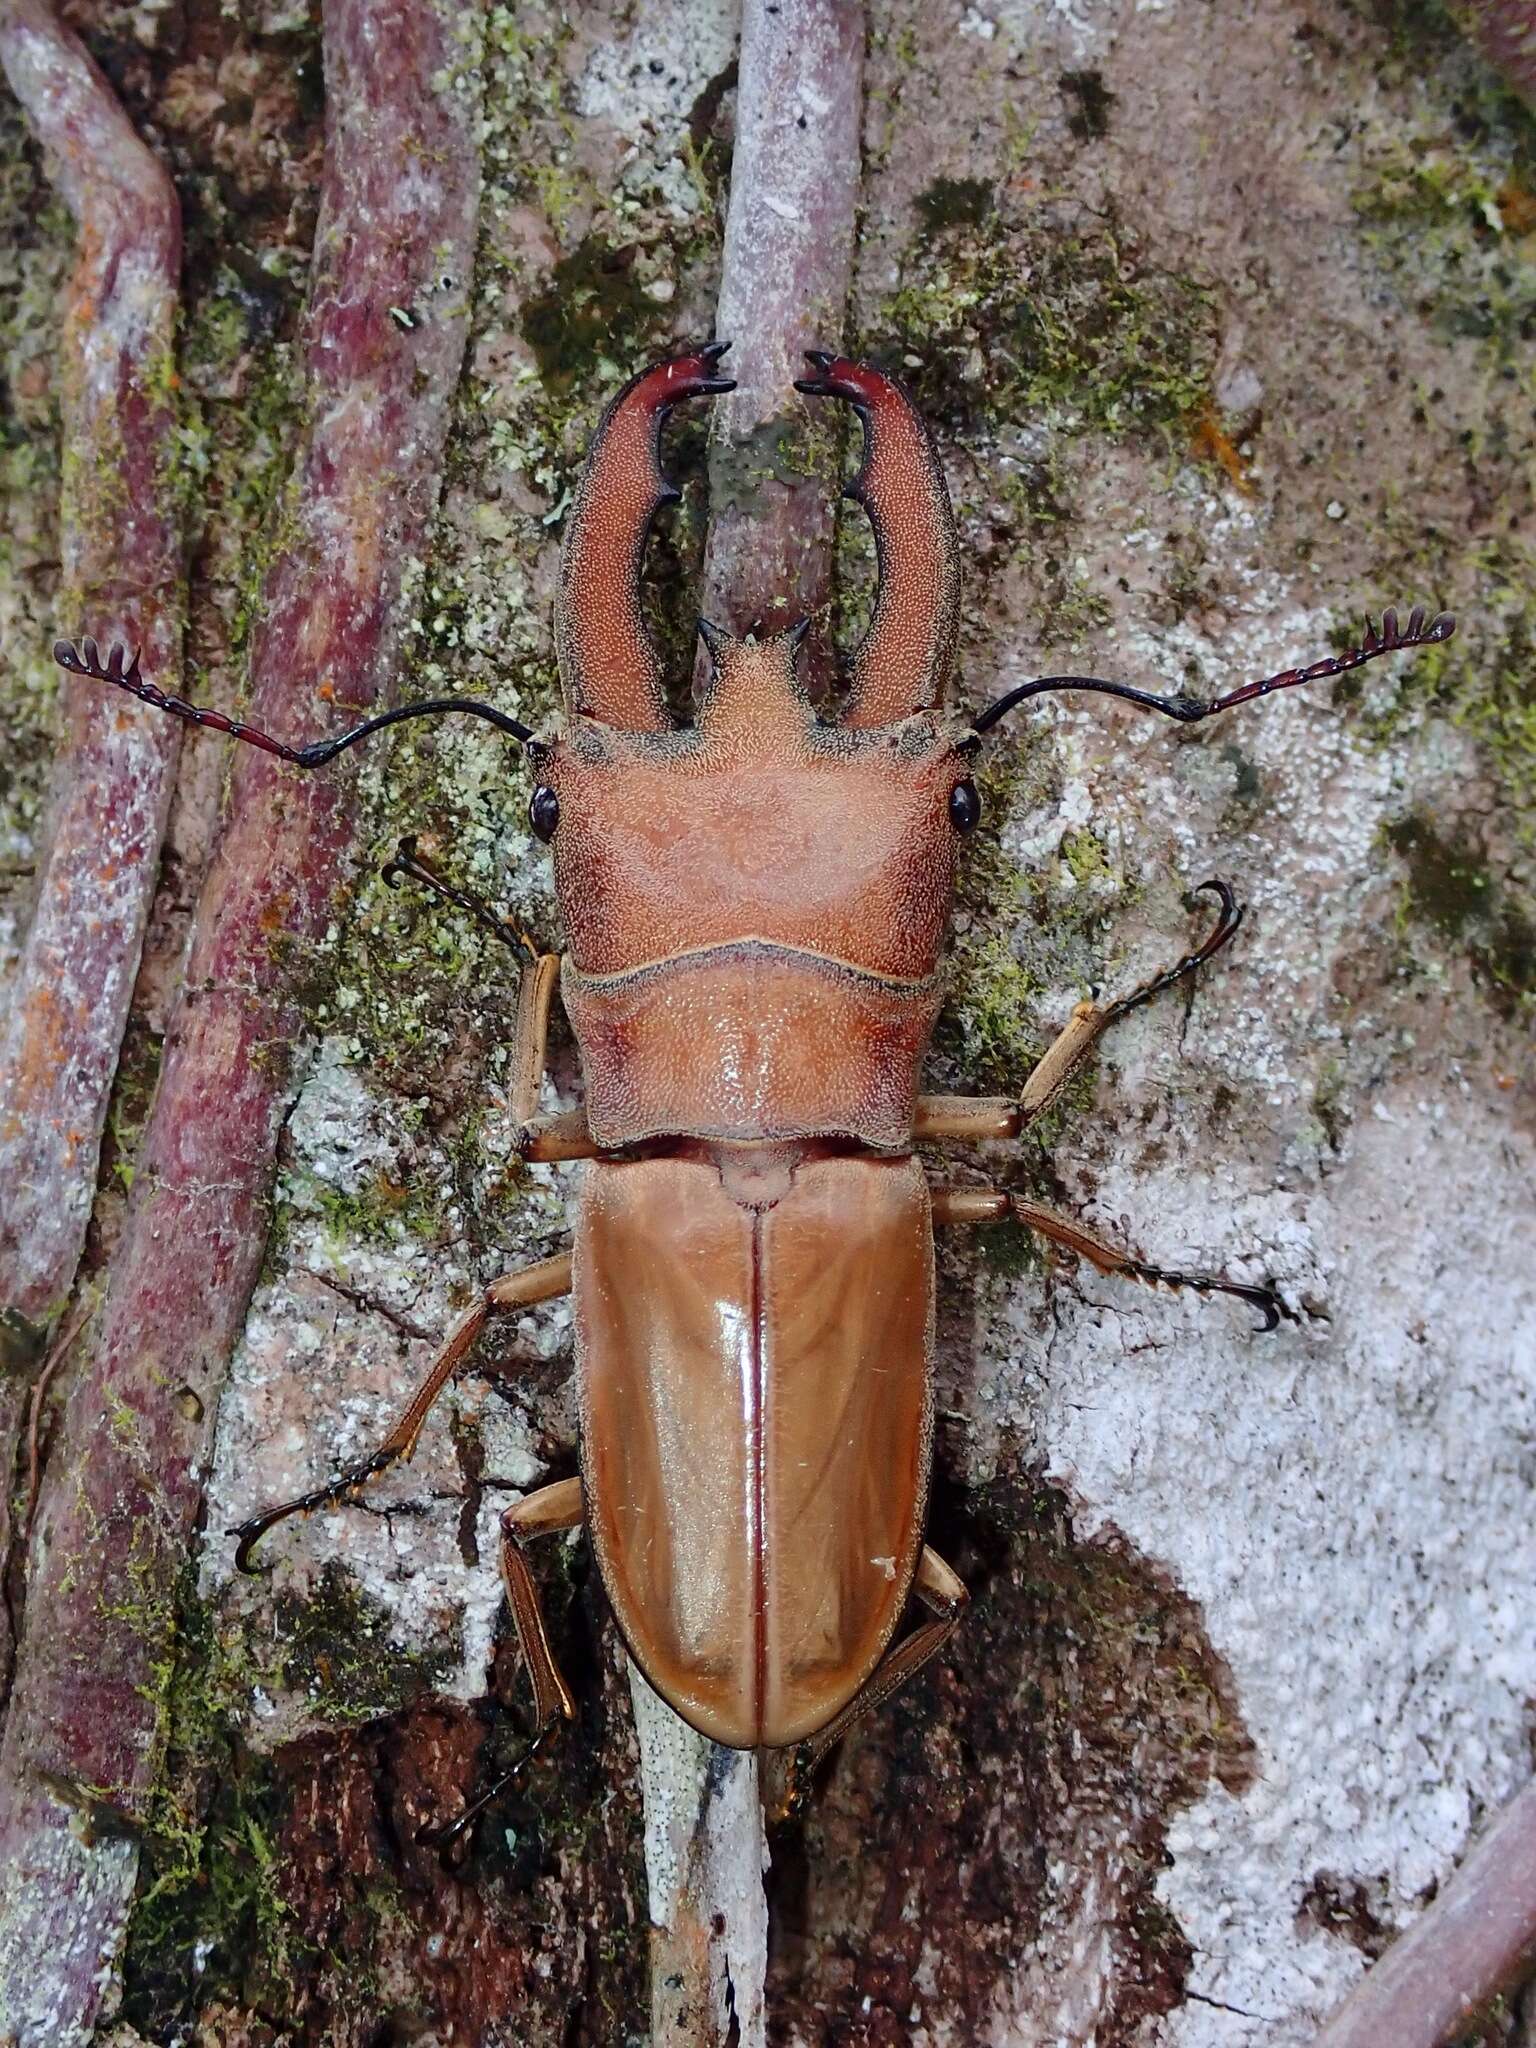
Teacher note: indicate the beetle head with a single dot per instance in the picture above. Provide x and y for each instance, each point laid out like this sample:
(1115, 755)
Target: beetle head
(759, 822)
(762, 820)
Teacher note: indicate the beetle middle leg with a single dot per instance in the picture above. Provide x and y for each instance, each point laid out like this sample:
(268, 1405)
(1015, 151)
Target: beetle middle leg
(996, 1116)
(545, 1281)
(990, 1205)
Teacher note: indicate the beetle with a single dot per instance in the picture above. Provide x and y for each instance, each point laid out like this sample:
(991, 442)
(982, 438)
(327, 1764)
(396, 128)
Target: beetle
(755, 906)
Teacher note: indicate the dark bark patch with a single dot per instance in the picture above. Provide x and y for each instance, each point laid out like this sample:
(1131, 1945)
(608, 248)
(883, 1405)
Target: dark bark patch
(1014, 1801)
(1351, 1907)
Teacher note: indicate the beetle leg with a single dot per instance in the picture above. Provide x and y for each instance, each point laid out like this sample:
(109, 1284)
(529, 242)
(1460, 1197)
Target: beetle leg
(990, 1205)
(974, 1117)
(543, 1282)
(943, 1593)
(535, 990)
(545, 1513)
(546, 1140)
(1113, 1258)
(993, 1116)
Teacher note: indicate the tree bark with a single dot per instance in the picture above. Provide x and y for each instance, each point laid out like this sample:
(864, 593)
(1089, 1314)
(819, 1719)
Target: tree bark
(1221, 319)
(85, 1728)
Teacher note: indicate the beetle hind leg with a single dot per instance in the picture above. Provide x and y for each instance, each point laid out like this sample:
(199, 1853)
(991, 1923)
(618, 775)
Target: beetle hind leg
(547, 1512)
(942, 1591)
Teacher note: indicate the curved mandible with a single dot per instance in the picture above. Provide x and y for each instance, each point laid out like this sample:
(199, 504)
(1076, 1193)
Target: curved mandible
(607, 664)
(903, 663)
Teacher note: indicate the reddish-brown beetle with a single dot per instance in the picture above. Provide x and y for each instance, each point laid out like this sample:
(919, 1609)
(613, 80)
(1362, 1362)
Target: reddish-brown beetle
(755, 905)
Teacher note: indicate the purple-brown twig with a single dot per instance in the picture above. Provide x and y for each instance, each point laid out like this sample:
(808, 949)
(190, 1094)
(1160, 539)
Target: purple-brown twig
(121, 549)
(1476, 1942)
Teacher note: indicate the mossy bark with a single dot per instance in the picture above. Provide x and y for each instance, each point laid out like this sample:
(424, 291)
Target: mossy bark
(1223, 321)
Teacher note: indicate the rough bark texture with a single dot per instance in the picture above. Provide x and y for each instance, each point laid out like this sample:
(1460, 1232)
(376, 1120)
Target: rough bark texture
(86, 1723)
(1223, 319)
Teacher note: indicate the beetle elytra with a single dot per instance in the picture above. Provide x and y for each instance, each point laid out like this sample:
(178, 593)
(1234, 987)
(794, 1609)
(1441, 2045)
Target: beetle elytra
(755, 905)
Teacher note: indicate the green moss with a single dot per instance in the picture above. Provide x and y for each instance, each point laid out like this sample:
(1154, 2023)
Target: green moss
(336, 1647)
(1020, 935)
(1086, 858)
(594, 310)
(954, 203)
(210, 1919)
(1008, 1249)
(1090, 100)
(1001, 318)
(1450, 888)
(36, 247)
(1446, 192)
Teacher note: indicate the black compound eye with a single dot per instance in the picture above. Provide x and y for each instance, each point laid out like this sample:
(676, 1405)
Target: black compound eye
(544, 812)
(964, 807)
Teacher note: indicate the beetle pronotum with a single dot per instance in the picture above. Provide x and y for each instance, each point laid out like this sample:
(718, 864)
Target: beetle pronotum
(755, 904)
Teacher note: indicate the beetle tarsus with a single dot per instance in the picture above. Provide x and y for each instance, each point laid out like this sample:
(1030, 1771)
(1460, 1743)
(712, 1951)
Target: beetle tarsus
(1224, 931)
(409, 861)
(1264, 1299)
(452, 1831)
(344, 1487)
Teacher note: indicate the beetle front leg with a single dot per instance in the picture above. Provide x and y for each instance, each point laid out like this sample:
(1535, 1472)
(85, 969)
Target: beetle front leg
(990, 1205)
(546, 1281)
(993, 1116)
(539, 1139)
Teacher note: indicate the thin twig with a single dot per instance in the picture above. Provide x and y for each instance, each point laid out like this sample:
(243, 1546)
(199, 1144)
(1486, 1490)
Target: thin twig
(1474, 1944)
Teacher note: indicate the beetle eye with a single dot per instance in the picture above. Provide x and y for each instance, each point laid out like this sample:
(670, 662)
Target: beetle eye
(544, 812)
(964, 807)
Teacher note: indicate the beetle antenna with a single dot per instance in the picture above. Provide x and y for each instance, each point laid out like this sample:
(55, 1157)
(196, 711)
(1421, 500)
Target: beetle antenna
(118, 668)
(1389, 638)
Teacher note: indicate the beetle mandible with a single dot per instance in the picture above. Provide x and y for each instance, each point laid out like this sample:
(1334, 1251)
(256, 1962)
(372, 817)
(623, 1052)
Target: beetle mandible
(755, 905)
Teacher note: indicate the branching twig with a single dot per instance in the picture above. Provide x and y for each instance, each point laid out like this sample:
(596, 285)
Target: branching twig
(1476, 1942)
(123, 1485)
